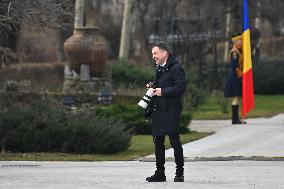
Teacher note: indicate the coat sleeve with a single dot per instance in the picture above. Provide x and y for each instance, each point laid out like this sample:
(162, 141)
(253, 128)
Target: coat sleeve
(179, 83)
(234, 60)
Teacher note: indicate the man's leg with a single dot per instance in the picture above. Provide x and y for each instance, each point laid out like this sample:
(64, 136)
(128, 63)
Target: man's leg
(159, 175)
(179, 159)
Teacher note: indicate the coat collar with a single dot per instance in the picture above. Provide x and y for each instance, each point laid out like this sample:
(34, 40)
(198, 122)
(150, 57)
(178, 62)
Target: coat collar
(170, 62)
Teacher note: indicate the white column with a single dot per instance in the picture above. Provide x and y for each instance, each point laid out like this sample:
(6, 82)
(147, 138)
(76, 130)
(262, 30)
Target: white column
(228, 22)
(126, 30)
(79, 13)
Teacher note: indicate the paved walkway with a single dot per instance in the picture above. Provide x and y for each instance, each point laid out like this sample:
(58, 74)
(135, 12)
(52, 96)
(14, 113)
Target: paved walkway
(259, 139)
(131, 175)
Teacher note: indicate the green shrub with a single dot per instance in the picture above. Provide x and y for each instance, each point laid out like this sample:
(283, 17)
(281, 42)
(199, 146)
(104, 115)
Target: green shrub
(193, 97)
(124, 73)
(43, 127)
(185, 120)
(88, 135)
(130, 114)
(268, 77)
(133, 117)
(24, 127)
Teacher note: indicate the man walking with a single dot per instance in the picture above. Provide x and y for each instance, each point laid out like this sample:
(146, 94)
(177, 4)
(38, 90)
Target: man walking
(169, 87)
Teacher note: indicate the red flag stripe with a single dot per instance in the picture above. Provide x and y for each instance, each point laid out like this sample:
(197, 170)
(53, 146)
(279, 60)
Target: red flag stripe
(248, 97)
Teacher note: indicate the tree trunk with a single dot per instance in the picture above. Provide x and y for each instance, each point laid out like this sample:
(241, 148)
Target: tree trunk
(125, 31)
(228, 22)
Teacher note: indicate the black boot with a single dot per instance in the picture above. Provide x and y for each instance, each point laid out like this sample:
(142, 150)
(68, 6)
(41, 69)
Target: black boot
(179, 159)
(235, 115)
(179, 175)
(159, 176)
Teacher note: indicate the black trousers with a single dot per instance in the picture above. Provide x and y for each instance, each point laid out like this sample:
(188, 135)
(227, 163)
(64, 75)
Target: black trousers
(160, 151)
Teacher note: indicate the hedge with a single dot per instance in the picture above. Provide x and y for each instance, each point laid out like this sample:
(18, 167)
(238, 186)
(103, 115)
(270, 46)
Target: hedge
(41, 127)
(133, 116)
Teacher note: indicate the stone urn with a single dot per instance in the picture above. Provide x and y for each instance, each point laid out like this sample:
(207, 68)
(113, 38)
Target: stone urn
(87, 47)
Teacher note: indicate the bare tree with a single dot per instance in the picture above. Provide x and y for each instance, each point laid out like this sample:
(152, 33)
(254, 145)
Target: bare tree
(36, 14)
(152, 12)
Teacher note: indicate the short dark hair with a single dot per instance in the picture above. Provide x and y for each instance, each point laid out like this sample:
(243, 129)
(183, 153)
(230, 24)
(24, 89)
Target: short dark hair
(163, 45)
(236, 34)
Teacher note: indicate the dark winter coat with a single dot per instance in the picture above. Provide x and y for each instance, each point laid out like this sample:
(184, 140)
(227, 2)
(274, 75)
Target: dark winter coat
(171, 80)
(233, 86)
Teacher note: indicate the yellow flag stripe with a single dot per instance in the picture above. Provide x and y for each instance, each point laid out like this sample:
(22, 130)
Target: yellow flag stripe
(246, 51)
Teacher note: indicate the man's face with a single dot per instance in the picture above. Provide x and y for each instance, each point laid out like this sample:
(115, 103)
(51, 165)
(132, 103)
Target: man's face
(159, 56)
(238, 42)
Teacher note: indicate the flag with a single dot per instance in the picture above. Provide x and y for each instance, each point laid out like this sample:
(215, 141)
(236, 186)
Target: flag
(247, 85)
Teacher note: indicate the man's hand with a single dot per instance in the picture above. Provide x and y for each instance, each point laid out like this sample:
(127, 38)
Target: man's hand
(150, 85)
(158, 92)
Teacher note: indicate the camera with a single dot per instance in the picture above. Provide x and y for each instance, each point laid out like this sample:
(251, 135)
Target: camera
(146, 100)
(149, 101)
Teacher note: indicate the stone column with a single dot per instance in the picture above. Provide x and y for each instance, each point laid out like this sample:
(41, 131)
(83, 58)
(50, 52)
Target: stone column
(126, 30)
(79, 14)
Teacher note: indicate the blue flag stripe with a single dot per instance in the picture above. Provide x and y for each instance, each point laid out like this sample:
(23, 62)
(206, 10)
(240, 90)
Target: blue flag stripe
(245, 15)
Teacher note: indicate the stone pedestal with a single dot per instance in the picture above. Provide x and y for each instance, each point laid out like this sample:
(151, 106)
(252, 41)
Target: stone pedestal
(74, 85)
(85, 73)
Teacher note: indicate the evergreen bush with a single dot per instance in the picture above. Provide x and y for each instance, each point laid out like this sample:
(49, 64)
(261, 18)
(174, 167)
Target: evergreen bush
(268, 77)
(124, 73)
(43, 127)
(133, 117)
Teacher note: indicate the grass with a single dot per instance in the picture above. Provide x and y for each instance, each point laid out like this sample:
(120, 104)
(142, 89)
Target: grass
(141, 145)
(265, 106)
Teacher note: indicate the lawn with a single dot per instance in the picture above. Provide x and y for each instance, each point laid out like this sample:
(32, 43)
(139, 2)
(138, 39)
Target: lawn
(265, 106)
(141, 145)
